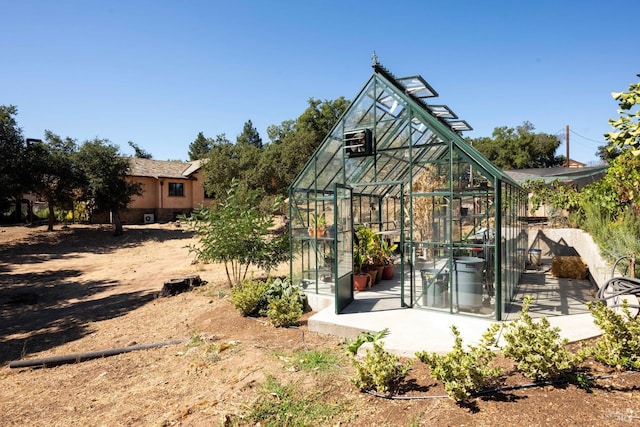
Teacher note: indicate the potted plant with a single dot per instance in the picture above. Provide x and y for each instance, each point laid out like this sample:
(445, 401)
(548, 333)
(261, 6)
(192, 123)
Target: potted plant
(361, 280)
(387, 250)
(367, 241)
(361, 259)
(317, 225)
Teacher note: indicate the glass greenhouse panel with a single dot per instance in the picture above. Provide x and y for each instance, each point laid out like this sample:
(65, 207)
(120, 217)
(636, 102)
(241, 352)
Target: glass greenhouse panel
(411, 178)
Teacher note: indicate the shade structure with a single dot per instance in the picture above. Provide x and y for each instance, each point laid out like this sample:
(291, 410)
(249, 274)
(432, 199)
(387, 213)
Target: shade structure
(398, 165)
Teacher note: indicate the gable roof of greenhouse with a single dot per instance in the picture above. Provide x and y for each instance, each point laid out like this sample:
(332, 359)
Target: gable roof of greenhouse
(386, 136)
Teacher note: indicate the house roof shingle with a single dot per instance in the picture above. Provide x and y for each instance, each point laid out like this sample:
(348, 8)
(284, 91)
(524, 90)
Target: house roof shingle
(162, 168)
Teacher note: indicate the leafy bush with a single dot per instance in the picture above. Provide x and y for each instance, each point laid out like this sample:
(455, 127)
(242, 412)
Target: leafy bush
(558, 197)
(247, 296)
(238, 234)
(537, 348)
(615, 238)
(619, 345)
(380, 370)
(284, 310)
(465, 372)
(279, 300)
(281, 288)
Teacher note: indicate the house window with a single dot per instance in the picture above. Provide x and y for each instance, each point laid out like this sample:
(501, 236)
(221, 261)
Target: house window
(209, 194)
(176, 189)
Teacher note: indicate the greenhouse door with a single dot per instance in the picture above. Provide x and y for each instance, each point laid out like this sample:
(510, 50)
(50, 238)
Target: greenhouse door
(343, 246)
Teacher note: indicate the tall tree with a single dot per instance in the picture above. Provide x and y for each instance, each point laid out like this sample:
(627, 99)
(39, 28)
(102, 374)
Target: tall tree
(12, 167)
(273, 167)
(627, 126)
(105, 171)
(140, 153)
(53, 173)
(293, 142)
(222, 166)
(250, 136)
(520, 148)
(200, 147)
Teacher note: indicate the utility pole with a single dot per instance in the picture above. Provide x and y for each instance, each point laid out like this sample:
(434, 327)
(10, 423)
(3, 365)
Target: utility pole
(566, 139)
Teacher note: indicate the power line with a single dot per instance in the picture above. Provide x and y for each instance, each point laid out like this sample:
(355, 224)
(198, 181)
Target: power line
(588, 139)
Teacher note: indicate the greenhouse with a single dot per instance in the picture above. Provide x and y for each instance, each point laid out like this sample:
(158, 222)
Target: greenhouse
(395, 194)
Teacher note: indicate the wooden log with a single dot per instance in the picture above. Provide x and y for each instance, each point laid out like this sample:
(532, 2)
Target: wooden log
(176, 286)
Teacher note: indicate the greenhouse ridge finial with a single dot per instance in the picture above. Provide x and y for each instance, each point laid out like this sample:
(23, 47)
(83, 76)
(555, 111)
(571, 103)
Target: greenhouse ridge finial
(374, 57)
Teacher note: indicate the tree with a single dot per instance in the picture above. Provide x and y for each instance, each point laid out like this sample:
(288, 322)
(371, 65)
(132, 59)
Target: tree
(293, 142)
(54, 177)
(237, 234)
(250, 136)
(222, 166)
(520, 148)
(619, 190)
(140, 153)
(275, 171)
(608, 152)
(104, 170)
(627, 133)
(200, 147)
(12, 167)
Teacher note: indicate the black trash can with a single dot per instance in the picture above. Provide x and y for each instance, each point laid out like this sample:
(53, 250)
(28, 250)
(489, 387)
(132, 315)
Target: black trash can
(435, 284)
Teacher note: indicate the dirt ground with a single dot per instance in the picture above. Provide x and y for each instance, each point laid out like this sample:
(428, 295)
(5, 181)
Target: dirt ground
(80, 289)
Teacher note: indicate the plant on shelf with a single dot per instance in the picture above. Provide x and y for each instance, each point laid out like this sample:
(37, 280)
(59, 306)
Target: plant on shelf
(361, 279)
(317, 225)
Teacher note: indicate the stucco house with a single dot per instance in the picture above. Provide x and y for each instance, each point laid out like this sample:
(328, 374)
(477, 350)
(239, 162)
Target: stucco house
(169, 188)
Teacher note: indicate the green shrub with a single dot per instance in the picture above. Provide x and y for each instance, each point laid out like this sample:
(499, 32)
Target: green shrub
(465, 372)
(247, 296)
(284, 310)
(280, 288)
(537, 348)
(380, 370)
(619, 344)
(277, 299)
(615, 237)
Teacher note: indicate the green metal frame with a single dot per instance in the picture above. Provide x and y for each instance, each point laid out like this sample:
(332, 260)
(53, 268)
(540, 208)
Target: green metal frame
(410, 137)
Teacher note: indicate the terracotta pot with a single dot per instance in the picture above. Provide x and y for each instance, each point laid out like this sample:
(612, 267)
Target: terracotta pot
(387, 272)
(373, 273)
(361, 282)
(379, 270)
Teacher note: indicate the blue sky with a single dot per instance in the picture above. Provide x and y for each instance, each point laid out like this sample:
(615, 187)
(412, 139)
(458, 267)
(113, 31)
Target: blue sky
(158, 72)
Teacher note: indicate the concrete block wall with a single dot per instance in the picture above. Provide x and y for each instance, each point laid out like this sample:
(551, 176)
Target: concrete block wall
(571, 241)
